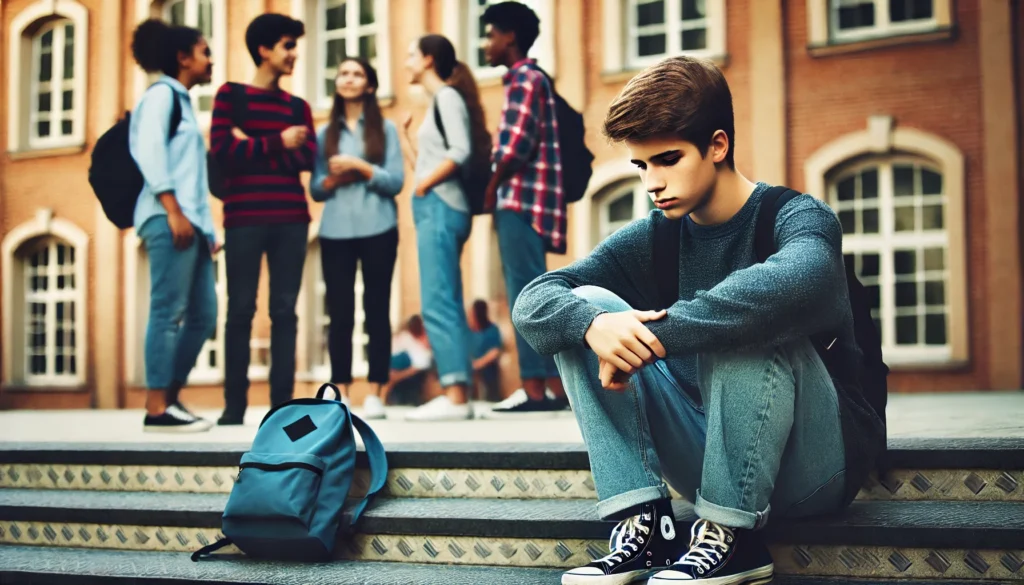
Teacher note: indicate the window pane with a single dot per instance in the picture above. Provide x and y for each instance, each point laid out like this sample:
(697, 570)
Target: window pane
(935, 292)
(904, 10)
(368, 47)
(69, 51)
(648, 45)
(934, 259)
(67, 127)
(693, 9)
(650, 13)
(694, 39)
(931, 182)
(870, 224)
(67, 100)
(905, 219)
(906, 294)
(366, 12)
(45, 102)
(335, 55)
(869, 265)
(874, 293)
(47, 40)
(177, 11)
(903, 179)
(931, 217)
(846, 219)
(935, 329)
(336, 17)
(621, 209)
(846, 188)
(205, 24)
(43, 129)
(904, 261)
(45, 66)
(205, 103)
(906, 330)
(856, 15)
(869, 184)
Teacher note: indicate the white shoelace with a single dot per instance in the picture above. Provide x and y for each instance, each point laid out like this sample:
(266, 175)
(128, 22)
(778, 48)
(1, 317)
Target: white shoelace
(625, 541)
(708, 543)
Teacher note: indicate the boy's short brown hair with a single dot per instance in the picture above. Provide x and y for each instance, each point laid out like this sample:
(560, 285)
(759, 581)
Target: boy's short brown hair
(680, 96)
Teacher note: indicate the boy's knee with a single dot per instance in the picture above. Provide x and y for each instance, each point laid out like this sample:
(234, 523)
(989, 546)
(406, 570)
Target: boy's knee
(602, 298)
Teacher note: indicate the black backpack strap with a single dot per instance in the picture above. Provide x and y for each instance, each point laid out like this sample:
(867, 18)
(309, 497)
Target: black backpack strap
(175, 111)
(440, 124)
(666, 260)
(210, 549)
(764, 231)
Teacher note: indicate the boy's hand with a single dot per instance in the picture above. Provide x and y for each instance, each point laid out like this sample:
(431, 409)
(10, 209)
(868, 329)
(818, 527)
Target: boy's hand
(622, 340)
(294, 137)
(611, 377)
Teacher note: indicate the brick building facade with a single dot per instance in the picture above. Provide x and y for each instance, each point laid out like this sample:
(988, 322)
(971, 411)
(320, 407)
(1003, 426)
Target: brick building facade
(905, 115)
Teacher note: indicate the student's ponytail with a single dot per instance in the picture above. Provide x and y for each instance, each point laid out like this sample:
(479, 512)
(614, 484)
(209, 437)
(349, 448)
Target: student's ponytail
(156, 45)
(462, 80)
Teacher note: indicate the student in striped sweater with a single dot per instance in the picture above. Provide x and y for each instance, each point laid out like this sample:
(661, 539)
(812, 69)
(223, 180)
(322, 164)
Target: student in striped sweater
(263, 138)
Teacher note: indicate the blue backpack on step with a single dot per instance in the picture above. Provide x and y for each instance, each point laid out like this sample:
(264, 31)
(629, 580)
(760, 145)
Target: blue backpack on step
(287, 500)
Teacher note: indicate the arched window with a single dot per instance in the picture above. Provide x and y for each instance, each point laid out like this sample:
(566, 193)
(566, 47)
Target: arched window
(48, 54)
(617, 205)
(44, 304)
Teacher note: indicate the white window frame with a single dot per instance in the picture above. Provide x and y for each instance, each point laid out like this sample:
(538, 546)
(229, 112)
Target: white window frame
(633, 188)
(49, 299)
(461, 24)
(315, 363)
(23, 76)
(218, 48)
(44, 225)
(56, 86)
(618, 19)
(309, 76)
(883, 27)
(887, 241)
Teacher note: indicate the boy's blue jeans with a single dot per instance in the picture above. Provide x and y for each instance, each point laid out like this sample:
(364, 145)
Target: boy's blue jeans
(182, 303)
(767, 435)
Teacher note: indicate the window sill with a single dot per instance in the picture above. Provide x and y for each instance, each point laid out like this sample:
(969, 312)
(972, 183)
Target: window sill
(28, 154)
(910, 366)
(631, 71)
(21, 387)
(847, 47)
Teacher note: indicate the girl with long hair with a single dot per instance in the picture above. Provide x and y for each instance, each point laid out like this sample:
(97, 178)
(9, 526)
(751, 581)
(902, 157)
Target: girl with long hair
(172, 218)
(441, 212)
(358, 173)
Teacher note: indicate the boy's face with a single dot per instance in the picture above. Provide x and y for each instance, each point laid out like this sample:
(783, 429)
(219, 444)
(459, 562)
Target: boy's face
(496, 44)
(678, 179)
(281, 57)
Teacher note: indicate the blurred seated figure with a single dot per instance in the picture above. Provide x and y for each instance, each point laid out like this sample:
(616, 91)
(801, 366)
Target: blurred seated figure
(485, 350)
(411, 359)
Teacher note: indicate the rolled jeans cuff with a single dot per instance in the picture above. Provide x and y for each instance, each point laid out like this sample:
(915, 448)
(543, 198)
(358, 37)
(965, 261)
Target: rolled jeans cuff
(613, 507)
(453, 379)
(730, 517)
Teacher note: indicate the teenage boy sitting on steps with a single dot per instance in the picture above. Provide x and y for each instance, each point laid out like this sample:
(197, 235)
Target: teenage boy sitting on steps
(722, 394)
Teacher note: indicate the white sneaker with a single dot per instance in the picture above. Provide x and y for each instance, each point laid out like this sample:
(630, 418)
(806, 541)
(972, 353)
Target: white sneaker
(440, 409)
(373, 408)
(519, 406)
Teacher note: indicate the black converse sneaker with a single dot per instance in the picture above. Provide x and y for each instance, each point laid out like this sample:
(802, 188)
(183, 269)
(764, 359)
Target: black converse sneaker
(520, 406)
(639, 546)
(178, 410)
(174, 420)
(720, 556)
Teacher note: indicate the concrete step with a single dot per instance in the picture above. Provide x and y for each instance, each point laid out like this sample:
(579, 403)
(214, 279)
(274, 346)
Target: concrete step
(38, 566)
(921, 469)
(872, 539)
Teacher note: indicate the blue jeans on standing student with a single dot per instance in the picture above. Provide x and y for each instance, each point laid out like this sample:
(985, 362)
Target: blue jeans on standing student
(766, 437)
(522, 260)
(441, 233)
(182, 303)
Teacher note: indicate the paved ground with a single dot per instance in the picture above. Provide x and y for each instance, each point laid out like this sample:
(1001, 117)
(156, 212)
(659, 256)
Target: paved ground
(990, 414)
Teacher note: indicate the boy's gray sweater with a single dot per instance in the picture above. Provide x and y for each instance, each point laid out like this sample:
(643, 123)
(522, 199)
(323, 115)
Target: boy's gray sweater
(727, 301)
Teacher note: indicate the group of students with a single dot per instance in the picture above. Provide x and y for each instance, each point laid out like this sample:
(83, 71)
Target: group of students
(262, 139)
(749, 380)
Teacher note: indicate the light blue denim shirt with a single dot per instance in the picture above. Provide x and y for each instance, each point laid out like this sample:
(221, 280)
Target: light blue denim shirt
(364, 208)
(178, 165)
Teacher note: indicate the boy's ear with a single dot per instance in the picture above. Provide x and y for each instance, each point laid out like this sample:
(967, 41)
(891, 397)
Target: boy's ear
(719, 146)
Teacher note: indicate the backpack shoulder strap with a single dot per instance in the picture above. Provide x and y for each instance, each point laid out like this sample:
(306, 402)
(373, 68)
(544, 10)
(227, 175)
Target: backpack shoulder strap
(175, 111)
(378, 464)
(210, 549)
(666, 260)
(764, 230)
(440, 123)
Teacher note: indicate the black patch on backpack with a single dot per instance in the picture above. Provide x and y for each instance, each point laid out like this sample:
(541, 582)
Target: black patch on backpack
(300, 428)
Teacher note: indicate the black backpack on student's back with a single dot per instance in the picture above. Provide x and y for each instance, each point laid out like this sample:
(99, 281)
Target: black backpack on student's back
(872, 377)
(474, 175)
(577, 160)
(113, 173)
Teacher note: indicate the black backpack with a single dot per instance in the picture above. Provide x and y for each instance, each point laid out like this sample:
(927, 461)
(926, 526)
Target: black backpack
(577, 160)
(872, 378)
(216, 173)
(474, 175)
(113, 173)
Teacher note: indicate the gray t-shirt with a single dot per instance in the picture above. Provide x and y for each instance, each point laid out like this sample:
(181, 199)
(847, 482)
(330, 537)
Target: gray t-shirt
(432, 151)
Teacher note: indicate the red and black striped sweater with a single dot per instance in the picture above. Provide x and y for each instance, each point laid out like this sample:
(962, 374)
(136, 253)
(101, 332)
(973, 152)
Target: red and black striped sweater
(263, 184)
